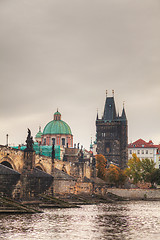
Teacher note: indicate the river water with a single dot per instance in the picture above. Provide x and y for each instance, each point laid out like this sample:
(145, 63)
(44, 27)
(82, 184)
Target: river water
(121, 220)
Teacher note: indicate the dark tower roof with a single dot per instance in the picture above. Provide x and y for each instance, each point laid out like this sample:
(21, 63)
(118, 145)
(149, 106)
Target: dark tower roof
(97, 115)
(109, 109)
(123, 117)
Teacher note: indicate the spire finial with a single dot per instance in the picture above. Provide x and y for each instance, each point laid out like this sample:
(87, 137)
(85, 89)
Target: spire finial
(113, 93)
(39, 128)
(106, 93)
(123, 104)
(97, 113)
(57, 109)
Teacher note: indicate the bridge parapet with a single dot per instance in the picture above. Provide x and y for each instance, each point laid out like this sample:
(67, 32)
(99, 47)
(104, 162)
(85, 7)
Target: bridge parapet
(12, 157)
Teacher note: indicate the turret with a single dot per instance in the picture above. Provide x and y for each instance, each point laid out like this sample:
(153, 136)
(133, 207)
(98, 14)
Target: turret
(57, 116)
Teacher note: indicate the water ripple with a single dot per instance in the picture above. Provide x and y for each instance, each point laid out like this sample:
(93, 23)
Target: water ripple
(123, 220)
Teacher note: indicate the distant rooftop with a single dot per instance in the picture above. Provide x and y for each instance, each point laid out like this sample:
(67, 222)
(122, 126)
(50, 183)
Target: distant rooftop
(140, 143)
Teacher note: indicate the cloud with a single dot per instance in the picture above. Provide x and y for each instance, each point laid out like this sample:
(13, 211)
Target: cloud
(67, 53)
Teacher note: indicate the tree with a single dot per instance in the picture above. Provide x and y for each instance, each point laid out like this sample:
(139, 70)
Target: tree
(134, 169)
(155, 177)
(148, 166)
(101, 163)
(115, 175)
(140, 170)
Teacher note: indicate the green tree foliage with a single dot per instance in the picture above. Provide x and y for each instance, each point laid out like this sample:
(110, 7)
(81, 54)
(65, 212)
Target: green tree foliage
(115, 176)
(101, 163)
(155, 176)
(140, 170)
(134, 169)
(148, 166)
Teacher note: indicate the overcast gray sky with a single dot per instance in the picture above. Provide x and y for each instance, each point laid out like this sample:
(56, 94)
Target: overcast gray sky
(65, 54)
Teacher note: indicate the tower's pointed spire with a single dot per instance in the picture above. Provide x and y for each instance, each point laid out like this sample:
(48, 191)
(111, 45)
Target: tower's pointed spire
(97, 113)
(123, 117)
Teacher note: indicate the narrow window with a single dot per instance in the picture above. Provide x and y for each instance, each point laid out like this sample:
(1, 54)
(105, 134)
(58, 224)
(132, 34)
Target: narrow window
(63, 141)
(107, 147)
(53, 141)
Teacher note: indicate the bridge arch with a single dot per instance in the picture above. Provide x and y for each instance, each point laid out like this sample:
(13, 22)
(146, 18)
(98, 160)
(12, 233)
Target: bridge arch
(6, 161)
(40, 167)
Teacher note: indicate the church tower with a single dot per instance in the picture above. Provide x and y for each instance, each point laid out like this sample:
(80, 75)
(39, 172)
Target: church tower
(112, 134)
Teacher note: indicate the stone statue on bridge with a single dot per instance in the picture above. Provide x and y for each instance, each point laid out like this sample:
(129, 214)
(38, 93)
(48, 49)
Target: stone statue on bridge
(29, 141)
(53, 153)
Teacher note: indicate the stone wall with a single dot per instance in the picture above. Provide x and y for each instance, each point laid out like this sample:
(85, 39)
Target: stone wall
(137, 194)
(8, 183)
(82, 187)
(63, 187)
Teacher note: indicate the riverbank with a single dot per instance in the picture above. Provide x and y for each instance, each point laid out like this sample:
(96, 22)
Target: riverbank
(74, 201)
(136, 194)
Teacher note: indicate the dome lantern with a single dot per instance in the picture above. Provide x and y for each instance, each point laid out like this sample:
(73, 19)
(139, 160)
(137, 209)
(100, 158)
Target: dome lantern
(57, 116)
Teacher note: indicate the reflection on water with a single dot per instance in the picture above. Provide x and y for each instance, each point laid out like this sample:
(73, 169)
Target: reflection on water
(123, 220)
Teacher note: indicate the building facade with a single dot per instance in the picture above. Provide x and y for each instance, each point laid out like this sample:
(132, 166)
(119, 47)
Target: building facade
(158, 157)
(112, 134)
(143, 150)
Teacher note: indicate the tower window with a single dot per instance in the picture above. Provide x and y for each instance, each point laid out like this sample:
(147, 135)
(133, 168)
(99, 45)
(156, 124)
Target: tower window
(107, 148)
(44, 141)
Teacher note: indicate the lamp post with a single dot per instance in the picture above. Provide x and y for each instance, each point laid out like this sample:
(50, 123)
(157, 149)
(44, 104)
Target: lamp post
(7, 140)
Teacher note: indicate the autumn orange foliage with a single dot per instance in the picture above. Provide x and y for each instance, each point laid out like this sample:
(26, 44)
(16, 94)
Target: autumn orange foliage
(101, 163)
(115, 176)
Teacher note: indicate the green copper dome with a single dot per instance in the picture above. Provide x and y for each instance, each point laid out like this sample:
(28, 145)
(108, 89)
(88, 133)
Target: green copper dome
(57, 126)
(39, 134)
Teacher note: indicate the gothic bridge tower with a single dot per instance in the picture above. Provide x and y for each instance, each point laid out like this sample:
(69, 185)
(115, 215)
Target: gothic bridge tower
(112, 134)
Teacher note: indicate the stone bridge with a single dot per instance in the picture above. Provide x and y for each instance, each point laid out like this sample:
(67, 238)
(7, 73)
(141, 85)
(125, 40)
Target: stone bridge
(14, 159)
(26, 174)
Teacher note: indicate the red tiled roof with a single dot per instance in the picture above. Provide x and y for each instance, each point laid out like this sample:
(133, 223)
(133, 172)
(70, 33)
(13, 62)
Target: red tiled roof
(140, 143)
(86, 151)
